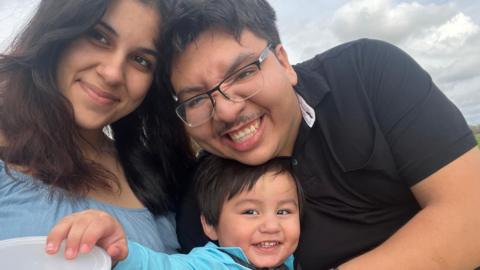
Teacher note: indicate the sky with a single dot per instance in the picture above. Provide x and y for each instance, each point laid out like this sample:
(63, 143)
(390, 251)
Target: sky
(443, 36)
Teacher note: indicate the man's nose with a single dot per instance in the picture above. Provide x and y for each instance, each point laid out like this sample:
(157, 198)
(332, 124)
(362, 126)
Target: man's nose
(227, 110)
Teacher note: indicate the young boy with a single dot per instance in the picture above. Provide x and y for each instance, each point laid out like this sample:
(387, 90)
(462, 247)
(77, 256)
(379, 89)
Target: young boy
(252, 212)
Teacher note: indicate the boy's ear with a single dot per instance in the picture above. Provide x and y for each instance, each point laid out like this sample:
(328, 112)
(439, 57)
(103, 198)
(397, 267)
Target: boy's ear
(209, 230)
(282, 57)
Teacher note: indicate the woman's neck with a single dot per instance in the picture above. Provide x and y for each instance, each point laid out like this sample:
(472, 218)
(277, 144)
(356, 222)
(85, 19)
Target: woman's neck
(100, 148)
(95, 144)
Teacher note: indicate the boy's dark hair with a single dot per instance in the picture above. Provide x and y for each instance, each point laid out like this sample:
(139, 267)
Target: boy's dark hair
(38, 124)
(219, 180)
(190, 18)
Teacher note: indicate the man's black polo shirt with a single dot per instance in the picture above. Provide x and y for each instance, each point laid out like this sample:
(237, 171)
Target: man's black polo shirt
(380, 127)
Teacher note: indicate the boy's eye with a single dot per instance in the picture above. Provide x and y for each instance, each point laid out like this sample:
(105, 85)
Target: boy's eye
(283, 212)
(250, 212)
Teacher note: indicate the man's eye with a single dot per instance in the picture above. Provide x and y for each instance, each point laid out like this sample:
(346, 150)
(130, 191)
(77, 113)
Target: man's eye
(196, 102)
(245, 73)
(250, 212)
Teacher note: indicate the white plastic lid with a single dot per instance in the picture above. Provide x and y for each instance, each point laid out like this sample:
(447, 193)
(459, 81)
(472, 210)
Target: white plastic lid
(27, 253)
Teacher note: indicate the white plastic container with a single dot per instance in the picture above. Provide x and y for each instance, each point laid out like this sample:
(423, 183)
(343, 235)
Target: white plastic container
(28, 253)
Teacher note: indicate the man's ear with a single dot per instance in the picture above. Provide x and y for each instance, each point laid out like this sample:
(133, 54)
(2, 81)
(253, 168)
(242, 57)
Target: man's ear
(209, 230)
(282, 57)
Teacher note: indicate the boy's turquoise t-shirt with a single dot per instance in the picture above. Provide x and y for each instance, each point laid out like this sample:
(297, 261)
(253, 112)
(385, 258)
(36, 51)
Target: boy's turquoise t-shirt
(207, 257)
(27, 208)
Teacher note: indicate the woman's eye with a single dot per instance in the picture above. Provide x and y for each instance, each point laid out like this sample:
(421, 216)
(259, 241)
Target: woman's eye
(283, 212)
(98, 37)
(142, 61)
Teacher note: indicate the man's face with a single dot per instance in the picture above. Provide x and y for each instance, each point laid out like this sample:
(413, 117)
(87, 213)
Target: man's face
(251, 131)
(264, 221)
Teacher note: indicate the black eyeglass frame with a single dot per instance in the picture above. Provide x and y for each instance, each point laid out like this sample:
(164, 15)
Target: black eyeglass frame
(263, 55)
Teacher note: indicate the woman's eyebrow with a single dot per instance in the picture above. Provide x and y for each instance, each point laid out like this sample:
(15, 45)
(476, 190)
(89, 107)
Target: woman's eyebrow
(112, 31)
(108, 27)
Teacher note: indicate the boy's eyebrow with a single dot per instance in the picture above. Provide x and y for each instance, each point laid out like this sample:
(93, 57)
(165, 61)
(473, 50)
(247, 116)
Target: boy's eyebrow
(255, 201)
(289, 201)
(281, 202)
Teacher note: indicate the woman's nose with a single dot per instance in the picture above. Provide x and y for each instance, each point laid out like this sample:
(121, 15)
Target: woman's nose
(111, 69)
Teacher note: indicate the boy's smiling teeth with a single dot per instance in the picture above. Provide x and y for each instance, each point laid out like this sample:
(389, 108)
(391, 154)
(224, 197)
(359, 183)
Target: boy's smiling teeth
(245, 133)
(267, 244)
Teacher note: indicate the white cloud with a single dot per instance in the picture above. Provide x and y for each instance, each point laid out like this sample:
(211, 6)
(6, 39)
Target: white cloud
(440, 36)
(446, 38)
(385, 20)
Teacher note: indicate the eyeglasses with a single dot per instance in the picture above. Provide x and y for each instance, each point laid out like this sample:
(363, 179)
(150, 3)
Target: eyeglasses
(239, 86)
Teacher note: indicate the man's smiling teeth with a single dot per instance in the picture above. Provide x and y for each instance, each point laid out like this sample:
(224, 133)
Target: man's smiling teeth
(245, 133)
(267, 244)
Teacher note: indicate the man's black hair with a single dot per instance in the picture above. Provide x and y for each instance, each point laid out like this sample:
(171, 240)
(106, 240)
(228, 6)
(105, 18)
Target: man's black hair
(190, 18)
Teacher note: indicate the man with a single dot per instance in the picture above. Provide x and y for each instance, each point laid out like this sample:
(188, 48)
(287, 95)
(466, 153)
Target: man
(389, 167)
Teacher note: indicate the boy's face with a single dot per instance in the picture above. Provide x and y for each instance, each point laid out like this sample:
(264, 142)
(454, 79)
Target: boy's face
(251, 131)
(264, 222)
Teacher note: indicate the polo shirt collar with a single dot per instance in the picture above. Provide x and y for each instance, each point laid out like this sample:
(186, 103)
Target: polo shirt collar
(312, 86)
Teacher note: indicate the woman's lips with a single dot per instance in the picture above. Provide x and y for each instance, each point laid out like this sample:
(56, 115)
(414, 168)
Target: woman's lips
(97, 95)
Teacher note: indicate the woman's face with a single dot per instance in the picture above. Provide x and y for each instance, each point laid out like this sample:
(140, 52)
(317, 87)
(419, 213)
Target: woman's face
(106, 73)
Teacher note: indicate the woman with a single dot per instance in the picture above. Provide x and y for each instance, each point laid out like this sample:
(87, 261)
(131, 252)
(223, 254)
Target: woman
(78, 67)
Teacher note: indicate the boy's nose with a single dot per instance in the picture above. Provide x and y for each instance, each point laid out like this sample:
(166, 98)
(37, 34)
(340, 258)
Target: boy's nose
(270, 226)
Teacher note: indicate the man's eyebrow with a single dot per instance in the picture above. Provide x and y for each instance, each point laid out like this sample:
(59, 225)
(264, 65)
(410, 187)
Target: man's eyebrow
(190, 91)
(236, 63)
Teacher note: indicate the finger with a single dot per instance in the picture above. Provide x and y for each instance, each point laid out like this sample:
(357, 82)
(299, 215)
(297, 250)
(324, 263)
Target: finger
(57, 234)
(102, 226)
(109, 235)
(118, 250)
(74, 238)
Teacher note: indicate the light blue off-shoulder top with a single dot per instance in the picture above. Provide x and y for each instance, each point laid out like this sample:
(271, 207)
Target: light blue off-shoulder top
(28, 208)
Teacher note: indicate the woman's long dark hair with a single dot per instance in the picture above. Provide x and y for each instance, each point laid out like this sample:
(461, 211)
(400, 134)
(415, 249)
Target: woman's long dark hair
(38, 124)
